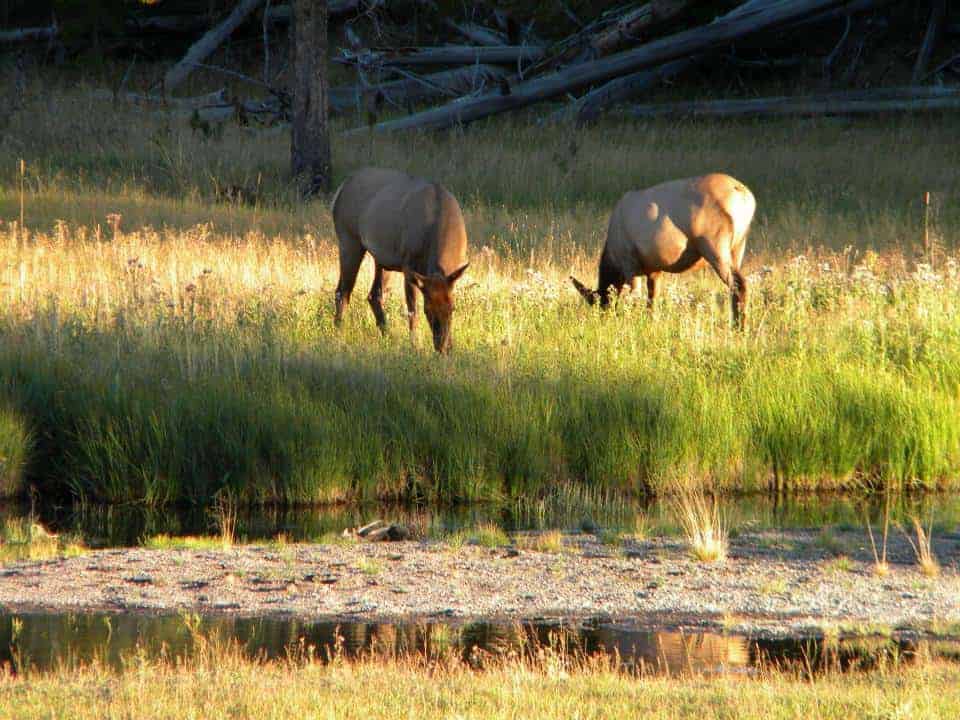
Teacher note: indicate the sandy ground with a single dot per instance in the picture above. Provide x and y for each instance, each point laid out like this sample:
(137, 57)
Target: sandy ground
(773, 582)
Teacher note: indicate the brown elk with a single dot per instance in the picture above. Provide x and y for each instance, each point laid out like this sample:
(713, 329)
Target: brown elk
(674, 227)
(409, 225)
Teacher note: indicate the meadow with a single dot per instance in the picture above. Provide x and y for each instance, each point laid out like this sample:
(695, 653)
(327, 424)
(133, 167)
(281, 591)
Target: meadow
(158, 345)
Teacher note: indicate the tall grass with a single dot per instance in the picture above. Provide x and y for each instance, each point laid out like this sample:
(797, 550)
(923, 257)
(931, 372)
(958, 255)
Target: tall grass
(184, 348)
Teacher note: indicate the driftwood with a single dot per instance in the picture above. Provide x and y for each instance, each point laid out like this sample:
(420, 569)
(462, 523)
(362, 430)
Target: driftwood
(446, 55)
(203, 47)
(859, 102)
(449, 83)
(938, 12)
(683, 44)
(31, 34)
(477, 33)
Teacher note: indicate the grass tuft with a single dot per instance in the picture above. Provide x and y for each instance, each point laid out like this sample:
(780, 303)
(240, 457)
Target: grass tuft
(703, 525)
(923, 549)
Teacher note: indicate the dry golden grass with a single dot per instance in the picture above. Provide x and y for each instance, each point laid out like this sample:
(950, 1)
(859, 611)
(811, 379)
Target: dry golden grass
(704, 528)
(923, 548)
(215, 683)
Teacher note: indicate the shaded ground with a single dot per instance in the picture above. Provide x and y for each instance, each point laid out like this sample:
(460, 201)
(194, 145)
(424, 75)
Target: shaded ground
(779, 582)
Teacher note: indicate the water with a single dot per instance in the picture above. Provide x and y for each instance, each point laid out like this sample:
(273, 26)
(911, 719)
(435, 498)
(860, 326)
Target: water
(45, 641)
(127, 526)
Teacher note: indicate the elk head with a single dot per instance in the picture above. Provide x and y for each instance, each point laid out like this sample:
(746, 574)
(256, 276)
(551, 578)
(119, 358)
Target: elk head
(437, 292)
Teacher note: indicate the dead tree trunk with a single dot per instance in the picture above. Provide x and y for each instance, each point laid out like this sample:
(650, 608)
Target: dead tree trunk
(203, 47)
(856, 102)
(9, 37)
(938, 11)
(450, 55)
(683, 44)
(590, 106)
(417, 89)
(310, 135)
(634, 23)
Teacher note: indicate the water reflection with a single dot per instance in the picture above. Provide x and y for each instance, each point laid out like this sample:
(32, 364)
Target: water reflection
(125, 526)
(43, 641)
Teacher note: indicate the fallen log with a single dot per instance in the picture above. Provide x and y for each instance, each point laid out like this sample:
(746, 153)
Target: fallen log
(448, 83)
(938, 12)
(445, 55)
(281, 14)
(683, 44)
(31, 34)
(478, 34)
(589, 107)
(632, 25)
(608, 34)
(203, 47)
(165, 24)
(861, 102)
(181, 103)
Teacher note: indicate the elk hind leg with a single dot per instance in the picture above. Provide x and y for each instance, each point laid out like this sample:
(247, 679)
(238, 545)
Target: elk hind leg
(351, 256)
(375, 298)
(721, 261)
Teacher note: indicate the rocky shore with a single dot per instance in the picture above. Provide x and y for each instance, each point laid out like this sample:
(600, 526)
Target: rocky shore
(772, 582)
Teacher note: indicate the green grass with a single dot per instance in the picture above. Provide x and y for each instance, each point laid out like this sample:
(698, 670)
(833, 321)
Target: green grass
(226, 685)
(485, 534)
(184, 542)
(190, 349)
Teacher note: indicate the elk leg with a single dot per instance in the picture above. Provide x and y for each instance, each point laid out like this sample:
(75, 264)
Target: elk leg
(375, 298)
(733, 279)
(740, 285)
(653, 288)
(410, 293)
(351, 255)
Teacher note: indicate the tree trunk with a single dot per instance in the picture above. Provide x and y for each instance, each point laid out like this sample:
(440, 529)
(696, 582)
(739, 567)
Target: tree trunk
(310, 135)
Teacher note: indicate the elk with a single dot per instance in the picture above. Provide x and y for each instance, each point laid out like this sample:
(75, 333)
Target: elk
(674, 227)
(408, 225)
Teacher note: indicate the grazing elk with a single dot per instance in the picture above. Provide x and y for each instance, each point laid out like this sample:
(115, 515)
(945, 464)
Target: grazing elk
(409, 225)
(674, 227)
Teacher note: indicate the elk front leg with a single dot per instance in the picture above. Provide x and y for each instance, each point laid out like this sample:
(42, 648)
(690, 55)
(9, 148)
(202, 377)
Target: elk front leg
(653, 288)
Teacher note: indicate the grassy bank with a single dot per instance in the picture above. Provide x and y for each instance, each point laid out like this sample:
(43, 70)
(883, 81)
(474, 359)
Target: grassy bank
(178, 347)
(227, 685)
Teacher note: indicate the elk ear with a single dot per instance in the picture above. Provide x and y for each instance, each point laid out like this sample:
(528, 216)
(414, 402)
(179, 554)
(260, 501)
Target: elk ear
(455, 275)
(589, 295)
(416, 279)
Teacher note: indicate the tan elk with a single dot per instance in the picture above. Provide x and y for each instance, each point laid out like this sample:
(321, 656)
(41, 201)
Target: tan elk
(674, 227)
(409, 225)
